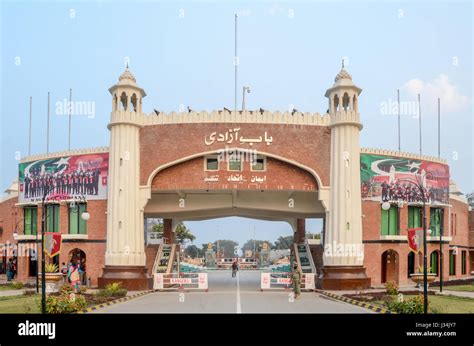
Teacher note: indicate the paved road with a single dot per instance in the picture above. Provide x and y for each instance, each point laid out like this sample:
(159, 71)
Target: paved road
(232, 295)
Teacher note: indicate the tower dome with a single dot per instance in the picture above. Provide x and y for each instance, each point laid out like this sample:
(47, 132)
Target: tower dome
(343, 74)
(127, 75)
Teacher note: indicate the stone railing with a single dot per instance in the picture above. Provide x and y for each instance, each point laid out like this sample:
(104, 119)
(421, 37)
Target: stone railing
(265, 117)
(402, 154)
(65, 153)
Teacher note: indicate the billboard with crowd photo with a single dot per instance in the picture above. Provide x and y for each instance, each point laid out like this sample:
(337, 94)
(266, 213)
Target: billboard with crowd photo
(64, 178)
(386, 179)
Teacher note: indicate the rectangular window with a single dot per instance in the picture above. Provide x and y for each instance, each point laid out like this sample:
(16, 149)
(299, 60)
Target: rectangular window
(414, 217)
(258, 165)
(212, 164)
(30, 221)
(452, 263)
(235, 164)
(463, 262)
(52, 218)
(77, 225)
(389, 224)
(436, 221)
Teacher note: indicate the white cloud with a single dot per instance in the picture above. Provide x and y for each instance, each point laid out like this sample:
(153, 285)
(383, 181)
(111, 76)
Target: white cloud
(441, 86)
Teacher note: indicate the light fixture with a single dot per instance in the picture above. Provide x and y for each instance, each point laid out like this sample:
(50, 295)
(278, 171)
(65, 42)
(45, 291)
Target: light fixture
(385, 206)
(86, 216)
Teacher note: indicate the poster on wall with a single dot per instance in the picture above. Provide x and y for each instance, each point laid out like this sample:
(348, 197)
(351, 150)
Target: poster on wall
(64, 178)
(387, 179)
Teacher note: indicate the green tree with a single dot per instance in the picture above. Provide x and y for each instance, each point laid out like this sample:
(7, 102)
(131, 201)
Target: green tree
(283, 243)
(193, 251)
(182, 233)
(225, 246)
(249, 244)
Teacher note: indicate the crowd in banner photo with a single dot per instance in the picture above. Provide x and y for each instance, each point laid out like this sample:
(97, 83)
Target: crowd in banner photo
(79, 181)
(398, 191)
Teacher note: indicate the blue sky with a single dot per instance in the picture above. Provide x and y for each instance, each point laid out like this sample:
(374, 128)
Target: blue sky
(182, 54)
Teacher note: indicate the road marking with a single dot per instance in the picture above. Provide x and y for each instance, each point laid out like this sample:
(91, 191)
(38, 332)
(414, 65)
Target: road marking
(239, 306)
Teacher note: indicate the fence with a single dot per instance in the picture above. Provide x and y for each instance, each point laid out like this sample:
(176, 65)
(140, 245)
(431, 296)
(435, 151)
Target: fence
(182, 281)
(271, 281)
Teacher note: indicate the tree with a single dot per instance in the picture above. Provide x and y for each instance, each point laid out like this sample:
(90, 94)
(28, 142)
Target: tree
(249, 244)
(283, 243)
(182, 233)
(225, 246)
(193, 251)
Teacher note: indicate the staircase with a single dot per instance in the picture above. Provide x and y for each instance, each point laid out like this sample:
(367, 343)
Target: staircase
(303, 257)
(167, 259)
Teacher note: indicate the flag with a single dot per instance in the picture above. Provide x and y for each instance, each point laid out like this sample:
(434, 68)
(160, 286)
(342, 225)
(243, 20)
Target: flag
(52, 243)
(415, 239)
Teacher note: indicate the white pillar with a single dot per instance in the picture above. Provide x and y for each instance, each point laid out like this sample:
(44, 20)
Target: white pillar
(345, 214)
(125, 245)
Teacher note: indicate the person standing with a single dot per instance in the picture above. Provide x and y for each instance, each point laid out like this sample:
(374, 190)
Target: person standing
(75, 276)
(64, 271)
(296, 281)
(10, 270)
(235, 267)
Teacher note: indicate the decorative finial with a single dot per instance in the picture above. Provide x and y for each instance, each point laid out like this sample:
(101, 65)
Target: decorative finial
(342, 63)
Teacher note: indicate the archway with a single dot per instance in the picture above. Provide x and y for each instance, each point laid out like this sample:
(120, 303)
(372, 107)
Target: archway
(78, 256)
(411, 264)
(390, 265)
(32, 262)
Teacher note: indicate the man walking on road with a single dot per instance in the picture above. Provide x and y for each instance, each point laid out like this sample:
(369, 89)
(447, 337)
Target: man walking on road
(296, 281)
(235, 267)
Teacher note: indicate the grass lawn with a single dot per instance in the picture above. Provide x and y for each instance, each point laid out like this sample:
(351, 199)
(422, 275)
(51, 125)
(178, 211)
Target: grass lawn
(451, 304)
(444, 304)
(8, 287)
(460, 288)
(19, 304)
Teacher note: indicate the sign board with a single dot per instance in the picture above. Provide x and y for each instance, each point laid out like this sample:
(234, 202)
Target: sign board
(265, 281)
(64, 178)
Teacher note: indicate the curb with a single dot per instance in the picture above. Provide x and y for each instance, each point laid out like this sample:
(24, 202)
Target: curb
(113, 302)
(374, 308)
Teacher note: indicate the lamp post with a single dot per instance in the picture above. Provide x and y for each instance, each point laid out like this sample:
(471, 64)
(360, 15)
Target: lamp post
(419, 184)
(43, 263)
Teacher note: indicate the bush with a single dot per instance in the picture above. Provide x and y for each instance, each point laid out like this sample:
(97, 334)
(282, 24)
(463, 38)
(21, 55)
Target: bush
(412, 305)
(64, 303)
(391, 288)
(115, 289)
(66, 289)
(17, 285)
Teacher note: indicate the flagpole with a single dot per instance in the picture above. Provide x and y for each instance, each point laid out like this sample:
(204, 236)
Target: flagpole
(439, 129)
(236, 62)
(398, 97)
(419, 121)
(440, 265)
(70, 106)
(29, 129)
(47, 130)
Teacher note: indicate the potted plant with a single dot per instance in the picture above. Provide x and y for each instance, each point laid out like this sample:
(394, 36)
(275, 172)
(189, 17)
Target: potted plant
(52, 277)
(419, 277)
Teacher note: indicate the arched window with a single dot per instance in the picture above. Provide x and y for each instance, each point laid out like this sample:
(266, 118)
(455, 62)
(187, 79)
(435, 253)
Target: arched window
(336, 102)
(133, 101)
(354, 103)
(123, 100)
(345, 102)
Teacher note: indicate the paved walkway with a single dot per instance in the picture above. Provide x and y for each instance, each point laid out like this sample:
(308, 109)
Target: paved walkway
(446, 291)
(232, 295)
(9, 293)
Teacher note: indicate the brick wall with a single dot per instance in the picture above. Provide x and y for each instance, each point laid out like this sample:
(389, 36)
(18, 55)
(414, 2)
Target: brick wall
(307, 145)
